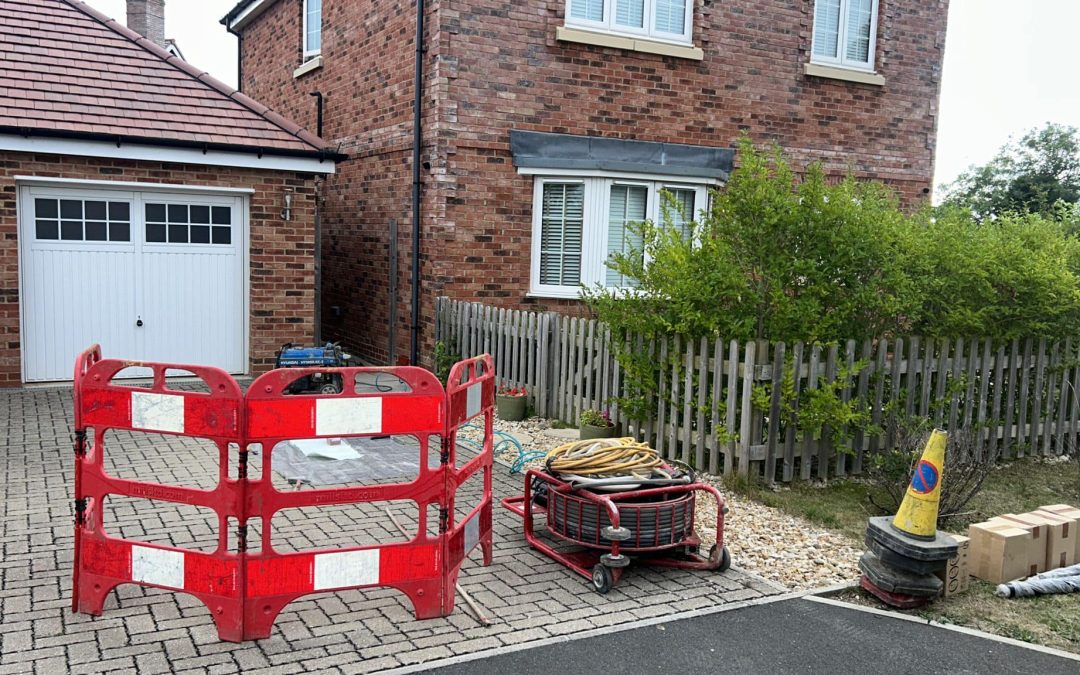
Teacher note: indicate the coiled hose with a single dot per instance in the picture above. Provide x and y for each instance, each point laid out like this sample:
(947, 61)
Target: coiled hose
(612, 462)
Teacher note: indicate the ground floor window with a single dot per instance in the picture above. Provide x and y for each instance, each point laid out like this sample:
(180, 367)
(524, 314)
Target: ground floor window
(580, 222)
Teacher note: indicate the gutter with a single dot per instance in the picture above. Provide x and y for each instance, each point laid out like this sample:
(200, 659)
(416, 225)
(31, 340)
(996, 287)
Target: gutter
(120, 139)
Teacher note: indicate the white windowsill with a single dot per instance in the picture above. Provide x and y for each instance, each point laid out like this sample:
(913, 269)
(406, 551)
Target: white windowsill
(847, 74)
(553, 295)
(311, 64)
(632, 43)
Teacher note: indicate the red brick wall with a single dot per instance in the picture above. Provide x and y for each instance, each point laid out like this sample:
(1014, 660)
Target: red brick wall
(494, 65)
(282, 253)
(366, 80)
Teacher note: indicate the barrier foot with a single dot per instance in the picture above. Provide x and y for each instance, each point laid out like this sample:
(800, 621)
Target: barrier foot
(92, 593)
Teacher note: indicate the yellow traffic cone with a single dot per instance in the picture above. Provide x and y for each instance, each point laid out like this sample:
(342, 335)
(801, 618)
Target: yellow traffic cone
(918, 514)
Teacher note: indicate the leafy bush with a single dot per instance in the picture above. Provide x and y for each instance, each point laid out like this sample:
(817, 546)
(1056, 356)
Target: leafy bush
(777, 257)
(818, 262)
(1014, 276)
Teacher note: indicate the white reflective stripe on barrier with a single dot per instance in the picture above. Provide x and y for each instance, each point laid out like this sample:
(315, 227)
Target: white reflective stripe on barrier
(472, 532)
(342, 416)
(157, 566)
(474, 399)
(157, 412)
(347, 568)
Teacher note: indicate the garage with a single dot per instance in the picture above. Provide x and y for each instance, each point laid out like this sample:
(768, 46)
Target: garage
(145, 206)
(151, 275)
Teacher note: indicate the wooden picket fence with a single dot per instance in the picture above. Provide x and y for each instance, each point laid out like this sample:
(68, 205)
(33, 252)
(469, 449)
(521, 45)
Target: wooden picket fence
(1017, 398)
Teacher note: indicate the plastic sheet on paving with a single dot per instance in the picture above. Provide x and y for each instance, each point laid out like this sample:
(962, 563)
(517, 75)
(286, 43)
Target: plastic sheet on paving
(371, 460)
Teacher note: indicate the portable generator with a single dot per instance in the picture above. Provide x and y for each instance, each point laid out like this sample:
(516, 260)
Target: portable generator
(328, 356)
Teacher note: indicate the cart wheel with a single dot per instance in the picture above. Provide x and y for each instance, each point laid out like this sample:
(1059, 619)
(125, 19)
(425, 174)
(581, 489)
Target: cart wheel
(724, 557)
(602, 579)
(330, 388)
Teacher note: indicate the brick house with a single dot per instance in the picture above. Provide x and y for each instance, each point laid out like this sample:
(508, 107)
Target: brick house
(549, 125)
(144, 205)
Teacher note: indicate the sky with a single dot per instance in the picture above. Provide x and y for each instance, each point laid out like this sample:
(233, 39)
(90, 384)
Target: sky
(1009, 66)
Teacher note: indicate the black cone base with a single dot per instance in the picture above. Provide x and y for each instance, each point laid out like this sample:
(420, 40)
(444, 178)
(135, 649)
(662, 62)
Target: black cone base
(893, 580)
(940, 549)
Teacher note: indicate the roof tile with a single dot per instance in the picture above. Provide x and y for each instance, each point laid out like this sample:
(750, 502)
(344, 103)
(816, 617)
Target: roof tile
(64, 65)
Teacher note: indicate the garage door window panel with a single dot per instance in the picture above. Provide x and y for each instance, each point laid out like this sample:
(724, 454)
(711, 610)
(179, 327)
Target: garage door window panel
(82, 220)
(188, 224)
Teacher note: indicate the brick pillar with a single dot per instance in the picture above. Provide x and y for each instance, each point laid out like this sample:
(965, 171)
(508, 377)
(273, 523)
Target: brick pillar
(147, 18)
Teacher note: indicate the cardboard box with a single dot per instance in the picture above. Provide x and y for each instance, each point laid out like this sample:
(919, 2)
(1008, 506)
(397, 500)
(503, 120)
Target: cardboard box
(1001, 551)
(956, 576)
(1040, 533)
(1070, 513)
(1062, 545)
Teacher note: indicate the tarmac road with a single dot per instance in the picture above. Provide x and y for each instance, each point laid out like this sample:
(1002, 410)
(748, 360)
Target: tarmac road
(791, 636)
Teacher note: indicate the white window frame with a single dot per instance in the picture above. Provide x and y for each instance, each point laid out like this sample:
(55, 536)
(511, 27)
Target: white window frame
(647, 31)
(841, 60)
(310, 53)
(594, 231)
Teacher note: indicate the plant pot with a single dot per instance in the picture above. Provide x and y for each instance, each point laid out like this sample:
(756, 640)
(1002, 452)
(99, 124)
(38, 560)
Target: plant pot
(588, 432)
(511, 408)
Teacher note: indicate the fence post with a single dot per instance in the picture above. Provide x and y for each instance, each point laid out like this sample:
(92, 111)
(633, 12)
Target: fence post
(745, 430)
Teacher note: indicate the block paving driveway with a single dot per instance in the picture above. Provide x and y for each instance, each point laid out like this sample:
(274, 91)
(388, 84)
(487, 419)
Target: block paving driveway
(144, 630)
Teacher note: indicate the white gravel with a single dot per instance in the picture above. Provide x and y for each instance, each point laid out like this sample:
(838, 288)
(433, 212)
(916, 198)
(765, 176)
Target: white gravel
(782, 548)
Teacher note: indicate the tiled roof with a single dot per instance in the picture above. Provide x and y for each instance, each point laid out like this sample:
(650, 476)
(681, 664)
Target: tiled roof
(66, 69)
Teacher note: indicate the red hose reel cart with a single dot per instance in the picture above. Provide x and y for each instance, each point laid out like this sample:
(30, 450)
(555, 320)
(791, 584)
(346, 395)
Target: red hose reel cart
(654, 525)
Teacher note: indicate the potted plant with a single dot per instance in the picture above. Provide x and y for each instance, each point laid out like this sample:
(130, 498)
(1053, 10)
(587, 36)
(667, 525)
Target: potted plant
(510, 403)
(596, 424)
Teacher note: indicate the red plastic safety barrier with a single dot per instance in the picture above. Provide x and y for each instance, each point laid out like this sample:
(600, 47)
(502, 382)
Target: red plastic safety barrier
(101, 561)
(245, 590)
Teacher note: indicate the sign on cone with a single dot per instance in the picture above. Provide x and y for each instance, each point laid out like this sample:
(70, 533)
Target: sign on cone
(918, 514)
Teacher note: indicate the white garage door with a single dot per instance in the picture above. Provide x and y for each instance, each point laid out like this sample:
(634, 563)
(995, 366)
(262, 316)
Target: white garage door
(153, 276)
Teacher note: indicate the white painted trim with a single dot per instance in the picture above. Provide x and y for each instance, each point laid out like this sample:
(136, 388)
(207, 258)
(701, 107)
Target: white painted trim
(308, 53)
(152, 153)
(47, 181)
(244, 201)
(619, 175)
(841, 60)
(248, 15)
(648, 30)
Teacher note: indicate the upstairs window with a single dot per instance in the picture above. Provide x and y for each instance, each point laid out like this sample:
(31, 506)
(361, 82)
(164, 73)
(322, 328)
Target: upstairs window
(845, 33)
(312, 28)
(667, 20)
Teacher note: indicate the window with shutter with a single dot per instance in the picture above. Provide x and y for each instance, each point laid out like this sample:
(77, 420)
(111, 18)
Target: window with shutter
(682, 209)
(579, 223)
(562, 222)
(628, 205)
(845, 33)
(665, 20)
(588, 10)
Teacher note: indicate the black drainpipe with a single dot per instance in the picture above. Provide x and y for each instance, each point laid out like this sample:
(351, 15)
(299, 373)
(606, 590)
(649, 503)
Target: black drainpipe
(239, 57)
(318, 112)
(418, 86)
(319, 183)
